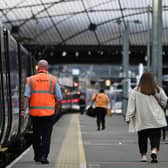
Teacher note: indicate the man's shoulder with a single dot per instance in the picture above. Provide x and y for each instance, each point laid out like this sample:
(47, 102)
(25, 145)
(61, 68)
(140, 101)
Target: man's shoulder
(29, 77)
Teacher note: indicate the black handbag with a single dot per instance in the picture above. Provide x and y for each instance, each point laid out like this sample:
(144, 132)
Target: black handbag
(91, 111)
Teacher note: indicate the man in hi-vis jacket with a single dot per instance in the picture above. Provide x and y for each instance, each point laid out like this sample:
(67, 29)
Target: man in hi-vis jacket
(42, 93)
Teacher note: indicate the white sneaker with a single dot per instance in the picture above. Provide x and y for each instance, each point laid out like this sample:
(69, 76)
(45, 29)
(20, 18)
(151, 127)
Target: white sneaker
(143, 158)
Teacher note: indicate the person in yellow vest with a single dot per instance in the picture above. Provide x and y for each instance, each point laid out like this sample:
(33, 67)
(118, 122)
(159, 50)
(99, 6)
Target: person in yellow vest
(101, 105)
(42, 93)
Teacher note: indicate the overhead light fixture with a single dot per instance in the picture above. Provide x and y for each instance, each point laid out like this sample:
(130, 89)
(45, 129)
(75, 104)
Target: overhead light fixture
(51, 53)
(108, 82)
(89, 53)
(15, 29)
(64, 53)
(118, 21)
(92, 27)
(76, 53)
(137, 21)
(101, 52)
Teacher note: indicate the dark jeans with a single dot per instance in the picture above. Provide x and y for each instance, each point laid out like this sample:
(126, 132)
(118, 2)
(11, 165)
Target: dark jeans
(42, 129)
(154, 135)
(101, 113)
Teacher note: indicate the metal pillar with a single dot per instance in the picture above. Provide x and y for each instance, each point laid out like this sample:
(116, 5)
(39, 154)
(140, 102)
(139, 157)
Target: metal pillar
(125, 62)
(149, 42)
(157, 40)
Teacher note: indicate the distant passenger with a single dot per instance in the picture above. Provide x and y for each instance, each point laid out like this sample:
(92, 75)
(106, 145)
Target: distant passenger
(42, 92)
(145, 114)
(101, 104)
(82, 104)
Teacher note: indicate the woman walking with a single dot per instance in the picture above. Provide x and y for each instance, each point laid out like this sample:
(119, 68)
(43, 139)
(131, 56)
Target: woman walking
(145, 114)
(101, 103)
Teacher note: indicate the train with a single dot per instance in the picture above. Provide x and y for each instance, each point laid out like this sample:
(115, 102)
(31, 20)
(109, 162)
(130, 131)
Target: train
(16, 63)
(71, 98)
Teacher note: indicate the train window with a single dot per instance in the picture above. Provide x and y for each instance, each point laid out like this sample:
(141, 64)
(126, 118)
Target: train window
(5, 88)
(1, 99)
(14, 83)
(26, 70)
(1, 107)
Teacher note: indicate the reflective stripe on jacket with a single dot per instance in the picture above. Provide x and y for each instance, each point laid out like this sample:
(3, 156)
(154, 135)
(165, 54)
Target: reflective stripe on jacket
(42, 97)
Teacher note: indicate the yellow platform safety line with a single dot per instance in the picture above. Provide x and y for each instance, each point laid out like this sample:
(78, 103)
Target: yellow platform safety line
(72, 153)
(81, 147)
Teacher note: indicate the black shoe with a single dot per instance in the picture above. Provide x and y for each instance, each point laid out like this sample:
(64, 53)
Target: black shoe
(154, 158)
(103, 128)
(44, 160)
(98, 129)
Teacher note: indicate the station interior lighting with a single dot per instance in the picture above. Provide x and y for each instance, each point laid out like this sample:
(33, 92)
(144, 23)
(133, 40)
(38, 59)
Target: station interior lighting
(51, 53)
(75, 84)
(89, 53)
(108, 82)
(36, 67)
(76, 53)
(65, 90)
(68, 93)
(64, 53)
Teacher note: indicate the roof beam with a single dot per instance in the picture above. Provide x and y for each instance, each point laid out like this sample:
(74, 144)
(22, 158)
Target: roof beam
(54, 25)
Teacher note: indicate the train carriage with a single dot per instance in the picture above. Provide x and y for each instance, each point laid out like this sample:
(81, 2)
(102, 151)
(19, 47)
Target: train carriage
(15, 64)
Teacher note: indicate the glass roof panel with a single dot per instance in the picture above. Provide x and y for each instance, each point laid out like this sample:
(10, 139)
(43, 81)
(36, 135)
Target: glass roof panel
(24, 13)
(93, 3)
(85, 38)
(65, 21)
(69, 8)
(30, 2)
(101, 17)
(51, 1)
(135, 4)
(49, 37)
(108, 33)
(107, 5)
(114, 42)
(73, 25)
(10, 4)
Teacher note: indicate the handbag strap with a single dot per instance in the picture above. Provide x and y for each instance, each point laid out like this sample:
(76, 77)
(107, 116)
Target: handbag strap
(163, 108)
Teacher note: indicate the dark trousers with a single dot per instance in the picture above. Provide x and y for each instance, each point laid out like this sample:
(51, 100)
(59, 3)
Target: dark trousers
(82, 109)
(101, 113)
(154, 135)
(42, 129)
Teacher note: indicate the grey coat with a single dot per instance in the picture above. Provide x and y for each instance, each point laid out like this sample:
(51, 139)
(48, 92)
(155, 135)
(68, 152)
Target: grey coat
(144, 111)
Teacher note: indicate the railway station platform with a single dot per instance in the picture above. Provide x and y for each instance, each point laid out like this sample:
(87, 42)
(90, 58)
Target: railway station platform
(76, 143)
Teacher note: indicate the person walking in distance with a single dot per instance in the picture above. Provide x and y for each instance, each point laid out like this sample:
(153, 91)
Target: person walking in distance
(82, 104)
(101, 104)
(145, 114)
(42, 93)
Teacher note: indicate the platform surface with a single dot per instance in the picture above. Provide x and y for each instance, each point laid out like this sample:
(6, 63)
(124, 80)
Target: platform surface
(76, 143)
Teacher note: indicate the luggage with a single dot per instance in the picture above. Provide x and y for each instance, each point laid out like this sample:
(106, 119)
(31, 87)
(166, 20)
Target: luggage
(91, 111)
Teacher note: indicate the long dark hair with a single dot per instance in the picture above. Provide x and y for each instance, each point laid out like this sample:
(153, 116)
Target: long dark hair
(101, 91)
(147, 85)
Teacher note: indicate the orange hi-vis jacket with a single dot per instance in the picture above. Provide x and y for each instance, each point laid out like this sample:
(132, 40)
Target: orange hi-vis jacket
(42, 97)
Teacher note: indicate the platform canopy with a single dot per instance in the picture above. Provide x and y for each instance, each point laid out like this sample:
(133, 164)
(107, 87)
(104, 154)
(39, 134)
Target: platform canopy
(80, 22)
